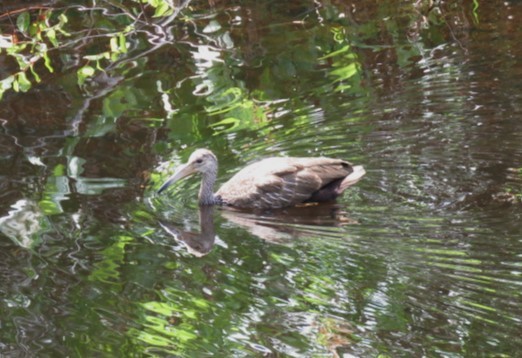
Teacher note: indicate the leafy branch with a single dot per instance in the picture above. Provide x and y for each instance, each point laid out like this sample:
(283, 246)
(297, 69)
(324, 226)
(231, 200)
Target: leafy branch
(35, 32)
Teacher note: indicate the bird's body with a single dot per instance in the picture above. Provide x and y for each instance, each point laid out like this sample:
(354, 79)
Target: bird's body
(271, 183)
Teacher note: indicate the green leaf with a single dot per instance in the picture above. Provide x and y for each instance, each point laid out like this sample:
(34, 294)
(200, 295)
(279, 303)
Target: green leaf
(162, 10)
(51, 35)
(122, 43)
(23, 83)
(63, 19)
(84, 73)
(59, 170)
(47, 62)
(49, 207)
(98, 66)
(35, 75)
(114, 44)
(16, 86)
(97, 57)
(335, 53)
(34, 30)
(23, 21)
(346, 72)
(87, 71)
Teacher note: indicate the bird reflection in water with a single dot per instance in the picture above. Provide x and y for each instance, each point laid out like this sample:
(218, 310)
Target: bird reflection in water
(283, 226)
(198, 244)
(278, 226)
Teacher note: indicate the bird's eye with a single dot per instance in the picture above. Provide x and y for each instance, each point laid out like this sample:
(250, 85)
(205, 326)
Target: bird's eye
(199, 161)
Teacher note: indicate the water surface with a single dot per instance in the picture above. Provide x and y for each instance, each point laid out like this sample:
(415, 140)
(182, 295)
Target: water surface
(420, 258)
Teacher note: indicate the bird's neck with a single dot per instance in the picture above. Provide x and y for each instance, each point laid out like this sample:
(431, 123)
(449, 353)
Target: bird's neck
(206, 191)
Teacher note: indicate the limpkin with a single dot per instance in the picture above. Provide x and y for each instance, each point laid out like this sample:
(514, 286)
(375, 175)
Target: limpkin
(270, 183)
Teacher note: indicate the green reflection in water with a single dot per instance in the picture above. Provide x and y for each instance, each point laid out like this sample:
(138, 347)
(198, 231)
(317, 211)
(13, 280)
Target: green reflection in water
(107, 270)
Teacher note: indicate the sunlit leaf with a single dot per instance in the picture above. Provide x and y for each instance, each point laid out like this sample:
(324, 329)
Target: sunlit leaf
(114, 44)
(100, 56)
(225, 101)
(20, 59)
(122, 44)
(475, 11)
(47, 62)
(98, 66)
(184, 335)
(23, 21)
(339, 35)
(163, 9)
(335, 53)
(201, 303)
(478, 305)
(161, 308)
(346, 72)
(35, 75)
(107, 269)
(63, 19)
(16, 86)
(84, 73)
(59, 170)
(51, 35)
(49, 207)
(23, 83)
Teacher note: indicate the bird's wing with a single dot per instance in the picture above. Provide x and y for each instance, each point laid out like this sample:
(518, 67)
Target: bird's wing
(308, 175)
(280, 190)
(280, 182)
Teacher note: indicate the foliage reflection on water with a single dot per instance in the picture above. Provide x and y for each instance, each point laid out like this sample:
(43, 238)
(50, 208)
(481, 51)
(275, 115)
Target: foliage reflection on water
(421, 258)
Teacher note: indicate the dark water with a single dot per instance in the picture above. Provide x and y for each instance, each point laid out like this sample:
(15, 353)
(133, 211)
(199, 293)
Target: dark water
(422, 258)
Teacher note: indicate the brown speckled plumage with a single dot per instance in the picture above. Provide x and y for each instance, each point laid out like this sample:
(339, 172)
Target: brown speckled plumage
(272, 182)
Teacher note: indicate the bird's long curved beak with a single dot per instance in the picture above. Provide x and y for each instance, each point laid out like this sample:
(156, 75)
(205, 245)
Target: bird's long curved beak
(182, 172)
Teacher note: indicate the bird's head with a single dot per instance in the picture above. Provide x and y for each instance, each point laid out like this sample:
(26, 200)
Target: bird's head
(201, 161)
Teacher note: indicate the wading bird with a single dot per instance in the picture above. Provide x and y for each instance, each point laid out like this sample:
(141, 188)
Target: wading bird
(270, 183)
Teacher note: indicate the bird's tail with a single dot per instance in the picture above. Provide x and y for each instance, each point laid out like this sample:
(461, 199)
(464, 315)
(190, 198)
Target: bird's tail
(352, 178)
